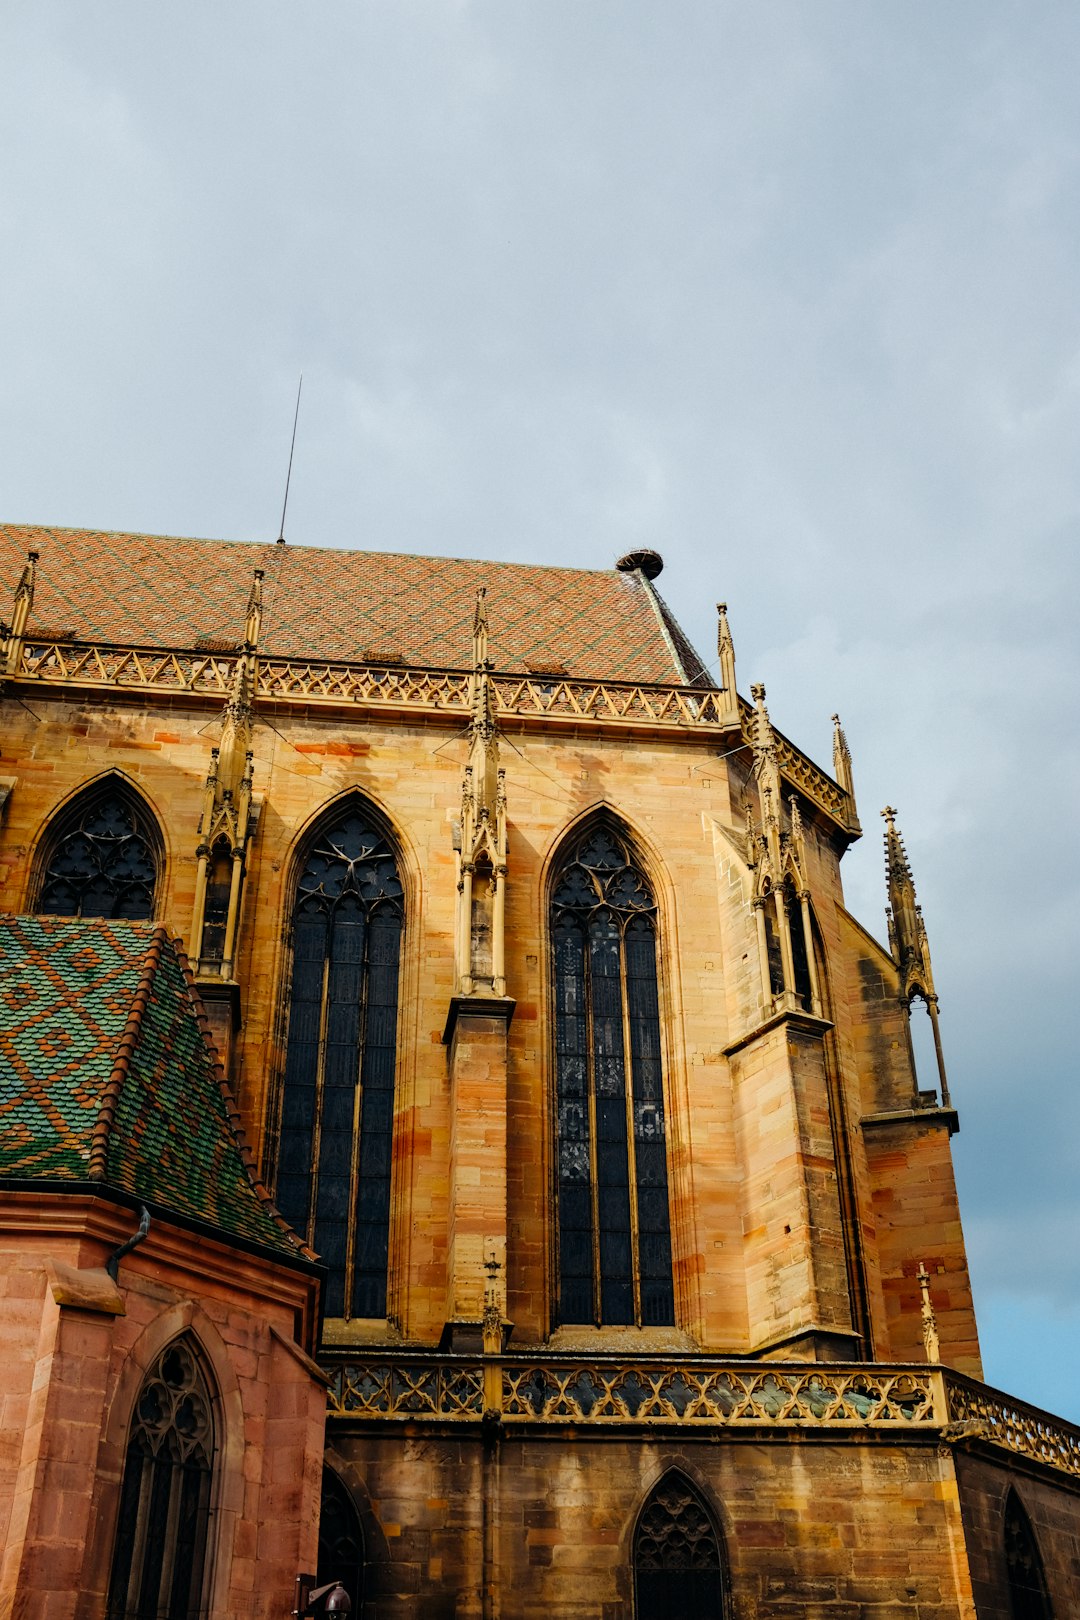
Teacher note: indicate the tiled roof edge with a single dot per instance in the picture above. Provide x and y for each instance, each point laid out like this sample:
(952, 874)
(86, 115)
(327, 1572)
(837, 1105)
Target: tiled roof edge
(232, 1111)
(98, 1168)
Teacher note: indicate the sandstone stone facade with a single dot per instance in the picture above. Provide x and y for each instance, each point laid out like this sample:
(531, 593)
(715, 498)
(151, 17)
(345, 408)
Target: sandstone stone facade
(809, 1168)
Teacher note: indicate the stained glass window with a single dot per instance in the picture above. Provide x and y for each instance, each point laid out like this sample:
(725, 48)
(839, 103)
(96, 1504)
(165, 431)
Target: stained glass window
(333, 1176)
(614, 1227)
(160, 1552)
(678, 1565)
(1027, 1583)
(101, 859)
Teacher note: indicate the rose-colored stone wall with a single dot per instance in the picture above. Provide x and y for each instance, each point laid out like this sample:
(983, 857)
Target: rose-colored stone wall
(75, 1349)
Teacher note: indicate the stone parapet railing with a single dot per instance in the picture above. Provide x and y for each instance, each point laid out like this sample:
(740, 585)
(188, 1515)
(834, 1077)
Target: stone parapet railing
(688, 1392)
(978, 1413)
(695, 1392)
(527, 699)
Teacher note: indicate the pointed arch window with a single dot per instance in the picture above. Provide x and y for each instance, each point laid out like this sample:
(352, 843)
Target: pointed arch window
(613, 1217)
(101, 859)
(1027, 1583)
(333, 1174)
(678, 1556)
(159, 1558)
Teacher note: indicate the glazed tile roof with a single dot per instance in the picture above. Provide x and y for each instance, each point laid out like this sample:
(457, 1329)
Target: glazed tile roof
(347, 606)
(107, 1074)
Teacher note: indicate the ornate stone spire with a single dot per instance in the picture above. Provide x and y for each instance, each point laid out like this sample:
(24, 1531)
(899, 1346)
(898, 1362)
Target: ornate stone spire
(24, 603)
(776, 853)
(841, 754)
(227, 824)
(907, 937)
(907, 934)
(725, 648)
(482, 843)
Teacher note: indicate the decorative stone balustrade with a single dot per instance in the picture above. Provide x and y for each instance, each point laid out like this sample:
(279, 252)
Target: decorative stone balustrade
(529, 699)
(689, 1392)
(697, 1392)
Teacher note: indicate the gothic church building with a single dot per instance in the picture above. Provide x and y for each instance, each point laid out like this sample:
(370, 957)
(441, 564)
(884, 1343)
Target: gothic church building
(454, 1139)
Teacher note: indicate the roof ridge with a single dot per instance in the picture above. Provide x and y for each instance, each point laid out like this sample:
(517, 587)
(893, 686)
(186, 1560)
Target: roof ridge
(98, 1167)
(296, 546)
(232, 1109)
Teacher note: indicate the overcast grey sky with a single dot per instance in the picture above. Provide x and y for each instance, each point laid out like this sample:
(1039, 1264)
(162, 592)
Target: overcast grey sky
(787, 291)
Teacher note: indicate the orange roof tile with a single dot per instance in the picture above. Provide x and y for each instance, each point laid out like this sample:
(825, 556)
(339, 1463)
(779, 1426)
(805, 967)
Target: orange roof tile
(156, 591)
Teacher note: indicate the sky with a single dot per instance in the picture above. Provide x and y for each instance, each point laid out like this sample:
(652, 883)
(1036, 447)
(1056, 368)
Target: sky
(787, 292)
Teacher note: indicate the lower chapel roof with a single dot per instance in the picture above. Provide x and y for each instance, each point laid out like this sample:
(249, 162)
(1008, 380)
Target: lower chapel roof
(107, 1075)
(351, 606)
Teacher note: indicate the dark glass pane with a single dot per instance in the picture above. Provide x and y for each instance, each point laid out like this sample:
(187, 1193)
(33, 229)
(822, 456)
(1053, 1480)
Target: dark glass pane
(341, 1541)
(165, 1494)
(342, 1038)
(600, 992)
(102, 862)
(678, 1568)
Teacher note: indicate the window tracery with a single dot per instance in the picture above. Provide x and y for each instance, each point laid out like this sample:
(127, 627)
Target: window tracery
(333, 1179)
(678, 1563)
(614, 1223)
(102, 859)
(160, 1551)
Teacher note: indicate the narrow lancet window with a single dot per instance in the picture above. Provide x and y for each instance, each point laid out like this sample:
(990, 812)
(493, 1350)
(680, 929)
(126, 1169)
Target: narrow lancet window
(614, 1223)
(160, 1554)
(333, 1180)
(678, 1559)
(101, 858)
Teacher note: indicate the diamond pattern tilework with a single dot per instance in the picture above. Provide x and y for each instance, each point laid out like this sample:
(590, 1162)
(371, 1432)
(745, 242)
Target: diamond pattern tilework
(324, 603)
(67, 989)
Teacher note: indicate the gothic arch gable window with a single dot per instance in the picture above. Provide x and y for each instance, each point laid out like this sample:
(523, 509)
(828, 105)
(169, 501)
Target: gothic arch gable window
(159, 1557)
(333, 1175)
(101, 858)
(1028, 1596)
(678, 1556)
(614, 1245)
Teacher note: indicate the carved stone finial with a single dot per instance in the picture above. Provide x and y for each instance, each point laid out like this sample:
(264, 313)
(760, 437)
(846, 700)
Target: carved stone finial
(929, 1320)
(725, 649)
(253, 627)
(843, 772)
(24, 603)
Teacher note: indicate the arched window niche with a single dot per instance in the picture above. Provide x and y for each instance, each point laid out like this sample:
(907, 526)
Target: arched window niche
(100, 857)
(1028, 1596)
(333, 1168)
(160, 1554)
(341, 1540)
(679, 1563)
(614, 1225)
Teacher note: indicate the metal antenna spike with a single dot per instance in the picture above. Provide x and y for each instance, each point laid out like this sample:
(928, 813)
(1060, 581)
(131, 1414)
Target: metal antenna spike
(288, 475)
